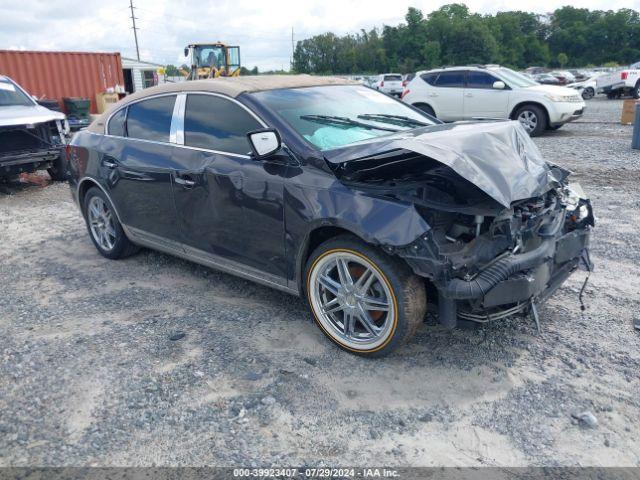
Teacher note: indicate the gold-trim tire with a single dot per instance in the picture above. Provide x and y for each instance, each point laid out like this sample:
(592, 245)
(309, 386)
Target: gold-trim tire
(364, 300)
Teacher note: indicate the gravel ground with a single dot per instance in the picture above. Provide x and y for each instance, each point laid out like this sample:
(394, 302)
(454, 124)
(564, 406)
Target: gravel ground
(93, 370)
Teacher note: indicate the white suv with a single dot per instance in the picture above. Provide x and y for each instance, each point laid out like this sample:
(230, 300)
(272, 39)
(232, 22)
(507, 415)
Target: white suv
(466, 93)
(389, 83)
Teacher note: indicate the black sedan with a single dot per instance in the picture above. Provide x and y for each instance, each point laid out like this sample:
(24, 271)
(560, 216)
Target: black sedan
(331, 190)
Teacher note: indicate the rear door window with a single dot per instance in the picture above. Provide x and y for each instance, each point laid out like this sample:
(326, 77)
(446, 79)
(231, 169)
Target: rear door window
(450, 80)
(216, 123)
(480, 80)
(116, 124)
(151, 119)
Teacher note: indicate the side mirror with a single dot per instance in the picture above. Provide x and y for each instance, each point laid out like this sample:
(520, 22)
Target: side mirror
(499, 85)
(264, 142)
(186, 52)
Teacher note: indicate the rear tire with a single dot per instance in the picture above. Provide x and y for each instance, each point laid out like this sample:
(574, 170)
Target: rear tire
(636, 90)
(105, 230)
(532, 118)
(365, 301)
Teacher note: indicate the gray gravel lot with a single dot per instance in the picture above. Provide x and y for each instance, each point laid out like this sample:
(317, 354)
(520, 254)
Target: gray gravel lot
(90, 376)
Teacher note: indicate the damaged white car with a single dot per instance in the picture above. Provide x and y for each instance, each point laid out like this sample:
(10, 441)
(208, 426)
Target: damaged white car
(32, 137)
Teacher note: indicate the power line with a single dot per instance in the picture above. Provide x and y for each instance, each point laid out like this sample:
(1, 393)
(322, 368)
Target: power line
(135, 31)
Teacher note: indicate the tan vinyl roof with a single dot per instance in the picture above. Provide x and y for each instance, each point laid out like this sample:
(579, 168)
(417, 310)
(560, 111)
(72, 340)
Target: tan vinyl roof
(231, 86)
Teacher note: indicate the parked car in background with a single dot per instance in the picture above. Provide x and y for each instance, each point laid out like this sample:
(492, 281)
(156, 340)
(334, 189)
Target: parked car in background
(32, 137)
(465, 93)
(546, 79)
(389, 83)
(329, 190)
(536, 70)
(622, 82)
(580, 75)
(370, 81)
(563, 76)
(587, 88)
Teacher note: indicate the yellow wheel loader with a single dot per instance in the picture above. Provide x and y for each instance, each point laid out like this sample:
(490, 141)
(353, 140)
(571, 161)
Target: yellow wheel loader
(212, 60)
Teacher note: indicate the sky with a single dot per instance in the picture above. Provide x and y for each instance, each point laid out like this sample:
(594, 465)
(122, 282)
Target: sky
(262, 28)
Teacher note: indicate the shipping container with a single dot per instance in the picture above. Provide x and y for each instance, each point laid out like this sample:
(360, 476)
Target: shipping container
(63, 74)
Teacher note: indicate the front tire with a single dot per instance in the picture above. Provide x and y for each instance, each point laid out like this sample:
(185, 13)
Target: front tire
(104, 228)
(532, 118)
(58, 170)
(365, 301)
(588, 93)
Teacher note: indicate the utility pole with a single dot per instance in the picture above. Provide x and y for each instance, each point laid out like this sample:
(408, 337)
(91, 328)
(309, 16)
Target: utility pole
(135, 32)
(292, 50)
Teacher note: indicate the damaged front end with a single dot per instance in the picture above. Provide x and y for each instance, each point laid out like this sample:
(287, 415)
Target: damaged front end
(506, 227)
(489, 267)
(32, 137)
(30, 147)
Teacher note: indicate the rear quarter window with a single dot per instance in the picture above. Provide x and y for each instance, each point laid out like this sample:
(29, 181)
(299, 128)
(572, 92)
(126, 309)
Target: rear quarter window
(116, 123)
(430, 78)
(151, 119)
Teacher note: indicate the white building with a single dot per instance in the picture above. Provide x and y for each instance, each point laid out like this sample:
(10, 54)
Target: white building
(139, 75)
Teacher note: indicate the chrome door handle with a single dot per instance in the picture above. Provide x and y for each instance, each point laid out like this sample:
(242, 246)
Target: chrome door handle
(433, 94)
(468, 94)
(184, 182)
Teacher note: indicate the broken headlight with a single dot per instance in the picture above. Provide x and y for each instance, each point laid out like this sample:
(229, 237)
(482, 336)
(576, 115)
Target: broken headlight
(575, 201)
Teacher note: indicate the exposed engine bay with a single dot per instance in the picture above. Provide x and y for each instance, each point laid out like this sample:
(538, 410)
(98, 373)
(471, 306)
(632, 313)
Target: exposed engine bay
(487, 258)
(30, 147)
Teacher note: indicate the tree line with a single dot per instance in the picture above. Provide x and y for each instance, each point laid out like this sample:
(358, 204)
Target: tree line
(452, 35)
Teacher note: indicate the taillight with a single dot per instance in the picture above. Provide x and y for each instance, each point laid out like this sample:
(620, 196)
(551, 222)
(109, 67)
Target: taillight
(404, 83)
(404, 92)
(382, 83)
(624, 75)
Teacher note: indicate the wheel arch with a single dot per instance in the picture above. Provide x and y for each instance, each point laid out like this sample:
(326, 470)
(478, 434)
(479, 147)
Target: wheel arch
(417, 105)
(314, 238)
(529, 102)
(83, 187)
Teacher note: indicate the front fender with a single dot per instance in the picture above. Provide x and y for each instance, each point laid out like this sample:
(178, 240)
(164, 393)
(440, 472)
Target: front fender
(376, 220)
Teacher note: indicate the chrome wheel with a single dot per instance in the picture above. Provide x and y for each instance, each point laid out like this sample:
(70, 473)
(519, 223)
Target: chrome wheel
(352, 300)
(529, 120)
(101, 223)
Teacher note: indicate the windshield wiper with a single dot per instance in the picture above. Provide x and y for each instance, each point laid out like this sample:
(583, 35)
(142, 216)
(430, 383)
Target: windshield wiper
(393, 119)
(335, 120)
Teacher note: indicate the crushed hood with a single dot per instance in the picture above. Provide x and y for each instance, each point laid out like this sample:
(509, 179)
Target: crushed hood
(498, 157)
(27, 115)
